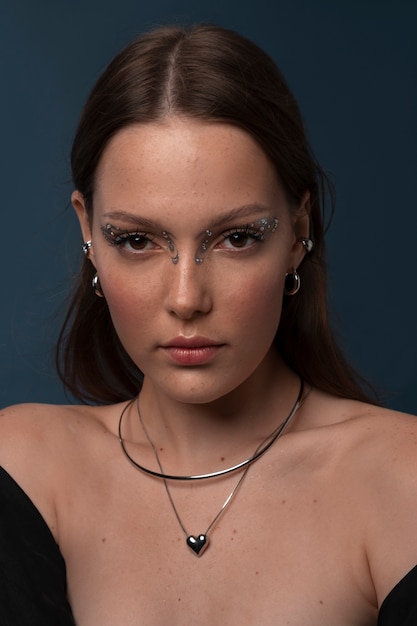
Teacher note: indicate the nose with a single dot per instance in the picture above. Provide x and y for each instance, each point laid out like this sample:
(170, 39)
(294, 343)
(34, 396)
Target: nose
(189, 291)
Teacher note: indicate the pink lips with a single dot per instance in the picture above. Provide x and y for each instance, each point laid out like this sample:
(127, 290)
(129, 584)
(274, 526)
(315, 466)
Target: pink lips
(192, 351)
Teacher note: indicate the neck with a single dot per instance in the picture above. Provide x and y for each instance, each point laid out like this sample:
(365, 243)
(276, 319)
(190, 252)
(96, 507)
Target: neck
(260, 450)
(201, 438)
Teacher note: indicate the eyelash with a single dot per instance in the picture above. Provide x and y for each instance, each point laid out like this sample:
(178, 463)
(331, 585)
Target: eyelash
(119, 238)
(247, 231)
(123, 237)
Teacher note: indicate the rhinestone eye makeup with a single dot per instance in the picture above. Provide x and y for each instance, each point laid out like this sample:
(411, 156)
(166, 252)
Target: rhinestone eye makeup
(239, 237)
(199, 255)
(175, 257)
(259, 230)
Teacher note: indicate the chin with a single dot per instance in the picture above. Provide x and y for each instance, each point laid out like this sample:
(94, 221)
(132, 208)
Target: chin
(201, 389)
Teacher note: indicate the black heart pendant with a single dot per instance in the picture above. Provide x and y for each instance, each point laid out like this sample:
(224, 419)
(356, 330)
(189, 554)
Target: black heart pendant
(197, 544)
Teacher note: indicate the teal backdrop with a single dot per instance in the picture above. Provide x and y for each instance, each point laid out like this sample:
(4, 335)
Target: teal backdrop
(352, 66)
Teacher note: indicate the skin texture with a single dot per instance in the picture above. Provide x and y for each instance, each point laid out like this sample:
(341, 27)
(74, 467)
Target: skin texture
(323, 525)
(175, 175)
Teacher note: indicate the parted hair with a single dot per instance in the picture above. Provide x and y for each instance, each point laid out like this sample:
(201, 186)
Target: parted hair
(213, 74)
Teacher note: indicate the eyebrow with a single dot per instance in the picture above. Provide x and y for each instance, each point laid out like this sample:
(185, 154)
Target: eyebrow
(253, 209)
(239, 212)
(133, 218)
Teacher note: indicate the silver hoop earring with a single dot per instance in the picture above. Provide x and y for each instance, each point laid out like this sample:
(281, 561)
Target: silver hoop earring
(86, 247)
(95, 283)
(292, 283)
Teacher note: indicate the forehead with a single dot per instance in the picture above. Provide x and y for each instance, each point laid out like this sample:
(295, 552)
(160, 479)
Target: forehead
(180, 166)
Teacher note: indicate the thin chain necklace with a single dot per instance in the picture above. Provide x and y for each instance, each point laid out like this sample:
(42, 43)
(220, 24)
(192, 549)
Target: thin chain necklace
(199, 543)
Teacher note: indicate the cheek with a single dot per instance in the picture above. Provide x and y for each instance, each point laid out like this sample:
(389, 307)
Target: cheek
(256, 304)
(130, 305)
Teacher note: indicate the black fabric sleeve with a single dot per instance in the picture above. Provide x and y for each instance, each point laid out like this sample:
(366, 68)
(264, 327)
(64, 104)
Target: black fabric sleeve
(400, 606)
(32, 569)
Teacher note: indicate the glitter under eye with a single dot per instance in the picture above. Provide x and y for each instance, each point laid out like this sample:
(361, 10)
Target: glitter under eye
(199, 255)
(175, 257)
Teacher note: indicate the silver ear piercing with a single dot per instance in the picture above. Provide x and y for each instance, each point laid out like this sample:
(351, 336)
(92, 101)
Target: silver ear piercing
(292, 283)
(95, 283)
(307, 243)
(86, 247)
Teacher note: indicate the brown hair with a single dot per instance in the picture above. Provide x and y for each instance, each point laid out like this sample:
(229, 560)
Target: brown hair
(213, 74)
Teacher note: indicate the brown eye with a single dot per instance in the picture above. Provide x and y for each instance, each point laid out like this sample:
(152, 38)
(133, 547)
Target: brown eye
(130, 243)
(238, 240)
(137, 242)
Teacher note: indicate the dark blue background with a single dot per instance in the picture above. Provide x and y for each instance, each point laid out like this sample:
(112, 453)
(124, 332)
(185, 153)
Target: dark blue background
(352, 65)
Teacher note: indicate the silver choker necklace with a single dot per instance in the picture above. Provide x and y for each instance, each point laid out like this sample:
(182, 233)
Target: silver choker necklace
(199, 543)
(264, 446)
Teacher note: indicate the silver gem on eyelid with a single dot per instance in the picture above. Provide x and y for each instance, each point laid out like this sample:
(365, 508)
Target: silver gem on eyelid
(171, 247)
(267, 227)
(111, 231)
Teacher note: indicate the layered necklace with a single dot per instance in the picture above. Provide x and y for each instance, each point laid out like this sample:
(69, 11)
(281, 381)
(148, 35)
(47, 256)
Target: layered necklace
(199, 543)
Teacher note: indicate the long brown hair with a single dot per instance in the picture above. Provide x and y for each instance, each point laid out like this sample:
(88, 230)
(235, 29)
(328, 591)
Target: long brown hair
(213, 74)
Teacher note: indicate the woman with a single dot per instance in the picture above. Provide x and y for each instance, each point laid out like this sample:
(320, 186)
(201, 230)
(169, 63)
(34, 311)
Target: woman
(231, 469)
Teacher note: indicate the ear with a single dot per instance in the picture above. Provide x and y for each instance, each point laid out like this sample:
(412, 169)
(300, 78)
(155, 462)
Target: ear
(78, 202)
(301, 228)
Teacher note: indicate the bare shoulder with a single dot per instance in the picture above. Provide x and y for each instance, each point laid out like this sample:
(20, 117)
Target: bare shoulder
(389, 435)
(40, 442)
(384, 444)
(375, 450)
(26, 429)
(366, 459)
(372, 448)
(29, 424)
(390, 458)
(364, 426)
(386, 441)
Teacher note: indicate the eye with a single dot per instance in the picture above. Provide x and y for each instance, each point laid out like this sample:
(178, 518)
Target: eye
(135, 242)
(129, 242)
(240, 238)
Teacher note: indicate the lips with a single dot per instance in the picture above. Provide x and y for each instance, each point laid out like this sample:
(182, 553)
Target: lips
(192, 350)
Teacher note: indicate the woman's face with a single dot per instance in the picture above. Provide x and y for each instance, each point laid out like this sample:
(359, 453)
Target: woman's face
(192, 237)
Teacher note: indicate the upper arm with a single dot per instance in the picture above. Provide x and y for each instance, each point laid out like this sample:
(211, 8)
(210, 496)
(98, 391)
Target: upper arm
(28, 452)
(392, 521)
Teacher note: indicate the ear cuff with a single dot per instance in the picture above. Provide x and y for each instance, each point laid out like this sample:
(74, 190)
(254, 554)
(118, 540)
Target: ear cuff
(307, 243)
(86, 247)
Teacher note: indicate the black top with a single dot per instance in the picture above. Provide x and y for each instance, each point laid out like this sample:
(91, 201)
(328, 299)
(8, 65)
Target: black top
(400, 606)
(33, 577)
(32, 569)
